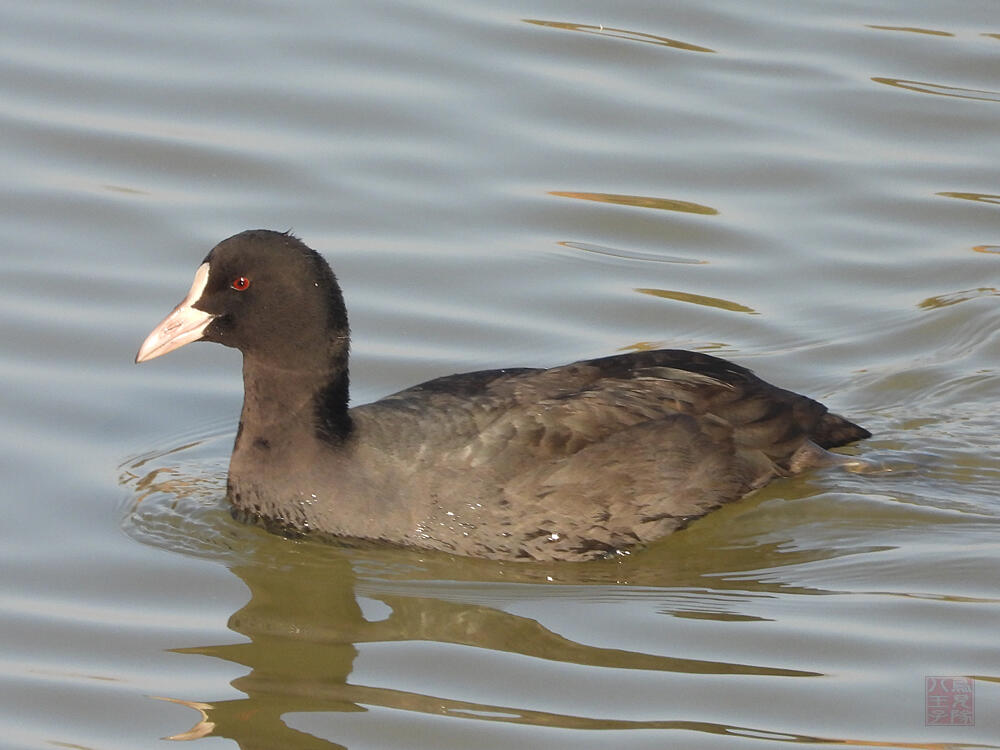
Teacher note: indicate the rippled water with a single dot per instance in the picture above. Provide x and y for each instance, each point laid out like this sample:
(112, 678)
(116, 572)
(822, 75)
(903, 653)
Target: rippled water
(808, 189)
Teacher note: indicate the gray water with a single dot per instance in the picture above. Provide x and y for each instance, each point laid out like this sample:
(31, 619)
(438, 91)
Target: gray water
(809, 189)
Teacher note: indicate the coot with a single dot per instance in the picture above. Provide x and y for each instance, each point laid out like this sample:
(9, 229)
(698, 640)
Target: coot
(570, 463)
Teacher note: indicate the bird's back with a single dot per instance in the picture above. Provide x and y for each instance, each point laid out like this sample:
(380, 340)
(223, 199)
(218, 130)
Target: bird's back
(585, 459)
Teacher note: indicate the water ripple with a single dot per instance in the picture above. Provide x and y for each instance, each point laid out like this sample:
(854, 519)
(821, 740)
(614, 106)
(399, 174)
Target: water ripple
(945, 300)
(699, 299)
(640, 201)
(911, 29)
(940, 89)
(614, 252)
(977, 197)
(632, 36)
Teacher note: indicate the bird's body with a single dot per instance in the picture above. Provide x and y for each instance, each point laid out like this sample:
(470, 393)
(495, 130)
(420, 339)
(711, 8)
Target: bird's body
(571, 463)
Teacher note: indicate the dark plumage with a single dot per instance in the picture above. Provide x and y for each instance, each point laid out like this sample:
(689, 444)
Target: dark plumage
(570, 463)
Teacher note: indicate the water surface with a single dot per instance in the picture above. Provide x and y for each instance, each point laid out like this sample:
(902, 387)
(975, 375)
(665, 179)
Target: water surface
(810, 190)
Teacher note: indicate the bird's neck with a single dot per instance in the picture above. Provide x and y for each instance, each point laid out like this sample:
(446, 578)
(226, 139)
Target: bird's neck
(282, 404)
(294, 466)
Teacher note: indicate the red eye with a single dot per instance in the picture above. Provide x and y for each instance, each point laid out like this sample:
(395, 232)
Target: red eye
(240, 283)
